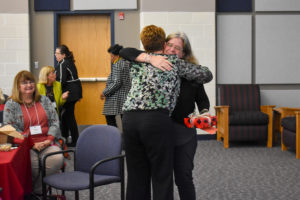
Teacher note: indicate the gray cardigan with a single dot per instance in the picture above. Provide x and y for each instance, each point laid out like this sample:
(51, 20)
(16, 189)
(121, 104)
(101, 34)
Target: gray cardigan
(13, 115)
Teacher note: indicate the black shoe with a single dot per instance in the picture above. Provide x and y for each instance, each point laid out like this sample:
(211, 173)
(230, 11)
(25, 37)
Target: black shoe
(71, 144)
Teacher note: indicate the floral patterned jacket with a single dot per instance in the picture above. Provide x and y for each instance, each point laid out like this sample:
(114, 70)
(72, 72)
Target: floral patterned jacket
(13, 115)
(154, 89)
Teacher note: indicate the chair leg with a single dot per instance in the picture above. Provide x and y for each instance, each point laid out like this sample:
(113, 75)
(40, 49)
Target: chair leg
(76, 195)
(91, 193)
(298, 135)
(44, 190)
(270, 135)
(226, 142)
(122, 179)
(226, 136)
(283, 147)
(122, 191)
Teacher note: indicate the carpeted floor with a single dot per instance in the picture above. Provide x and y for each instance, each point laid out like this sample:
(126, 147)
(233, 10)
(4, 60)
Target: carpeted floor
(244, 171)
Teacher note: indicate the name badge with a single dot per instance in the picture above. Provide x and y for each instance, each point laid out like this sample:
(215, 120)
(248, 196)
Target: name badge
(54, 104)
(34, 130)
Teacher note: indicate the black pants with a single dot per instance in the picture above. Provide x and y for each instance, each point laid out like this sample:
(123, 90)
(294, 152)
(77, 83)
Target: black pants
(183, 169)
(68, 122)
(111, 120)
(149, 154)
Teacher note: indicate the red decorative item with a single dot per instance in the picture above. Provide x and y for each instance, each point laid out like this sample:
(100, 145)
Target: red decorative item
(204, 122)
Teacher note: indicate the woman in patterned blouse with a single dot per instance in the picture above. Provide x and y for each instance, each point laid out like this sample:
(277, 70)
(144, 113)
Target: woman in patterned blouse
(147, 126)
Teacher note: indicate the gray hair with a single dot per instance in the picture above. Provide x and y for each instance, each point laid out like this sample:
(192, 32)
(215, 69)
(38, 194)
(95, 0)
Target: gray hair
(187, 49)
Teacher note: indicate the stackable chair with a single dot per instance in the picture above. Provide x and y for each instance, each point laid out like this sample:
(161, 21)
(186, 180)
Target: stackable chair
(97, 161)
(1, 116)
(290, 124)
(241, 116)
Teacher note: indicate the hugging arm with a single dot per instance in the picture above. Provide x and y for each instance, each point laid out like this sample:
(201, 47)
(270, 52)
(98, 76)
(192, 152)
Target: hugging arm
(157, 61)
(192, 72)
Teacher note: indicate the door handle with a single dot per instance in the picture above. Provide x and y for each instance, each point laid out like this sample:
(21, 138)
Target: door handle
(93, 79)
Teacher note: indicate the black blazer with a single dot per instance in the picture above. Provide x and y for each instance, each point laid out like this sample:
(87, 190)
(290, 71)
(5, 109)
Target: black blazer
(190, 93)
(66, 74)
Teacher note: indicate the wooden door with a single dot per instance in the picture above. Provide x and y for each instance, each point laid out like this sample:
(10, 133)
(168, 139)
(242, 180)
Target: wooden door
(88, 37)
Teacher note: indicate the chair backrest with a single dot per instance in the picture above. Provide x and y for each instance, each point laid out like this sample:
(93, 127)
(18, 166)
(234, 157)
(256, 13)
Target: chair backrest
(95, 143)
(244, 97)
(1, 116)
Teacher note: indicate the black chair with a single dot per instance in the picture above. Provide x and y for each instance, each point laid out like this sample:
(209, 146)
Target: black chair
(241, 116)
(291, 130)
(97, 161)
(1, 116)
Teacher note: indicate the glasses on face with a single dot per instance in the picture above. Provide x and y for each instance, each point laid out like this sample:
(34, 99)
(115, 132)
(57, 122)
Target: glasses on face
(57, 53)
(27, 82)
(178, 48)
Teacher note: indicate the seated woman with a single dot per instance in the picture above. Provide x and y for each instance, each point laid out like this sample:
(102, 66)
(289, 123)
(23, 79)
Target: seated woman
(48, 86)
(3, 99)
(34, 116)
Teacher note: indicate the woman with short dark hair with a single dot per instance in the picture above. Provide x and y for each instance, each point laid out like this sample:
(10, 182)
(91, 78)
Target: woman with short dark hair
(117, 86)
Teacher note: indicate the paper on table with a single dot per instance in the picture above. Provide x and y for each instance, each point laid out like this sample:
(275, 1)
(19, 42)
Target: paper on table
(10, 131)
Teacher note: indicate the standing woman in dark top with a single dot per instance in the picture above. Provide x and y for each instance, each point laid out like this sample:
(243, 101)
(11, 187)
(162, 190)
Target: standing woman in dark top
(186, 138)
(66, 74)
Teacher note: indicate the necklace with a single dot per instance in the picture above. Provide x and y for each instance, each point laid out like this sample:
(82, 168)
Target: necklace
(28, 104)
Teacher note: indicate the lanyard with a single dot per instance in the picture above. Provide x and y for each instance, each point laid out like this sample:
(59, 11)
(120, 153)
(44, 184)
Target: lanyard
(35, 113)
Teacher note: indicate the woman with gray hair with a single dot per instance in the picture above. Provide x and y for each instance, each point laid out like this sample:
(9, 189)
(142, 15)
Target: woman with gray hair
(185, 138)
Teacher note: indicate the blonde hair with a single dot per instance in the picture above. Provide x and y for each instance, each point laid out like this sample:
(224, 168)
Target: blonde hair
(23, 76)
(45, 71)
(186, 46)
(153, 38)
(2, 98)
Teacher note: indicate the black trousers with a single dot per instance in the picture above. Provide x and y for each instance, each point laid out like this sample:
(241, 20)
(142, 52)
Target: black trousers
(149, 154)
(111, 120)
(68, 122)
(183, 169)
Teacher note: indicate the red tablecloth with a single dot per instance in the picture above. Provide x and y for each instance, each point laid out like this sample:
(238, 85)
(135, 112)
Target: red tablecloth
(15, 172)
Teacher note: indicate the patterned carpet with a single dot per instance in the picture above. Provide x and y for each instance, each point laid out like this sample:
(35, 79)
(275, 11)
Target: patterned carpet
(244, 171)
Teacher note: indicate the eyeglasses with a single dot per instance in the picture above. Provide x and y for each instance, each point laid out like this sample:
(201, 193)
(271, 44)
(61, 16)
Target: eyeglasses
(27, 82)
(56, 53)
(175, 46)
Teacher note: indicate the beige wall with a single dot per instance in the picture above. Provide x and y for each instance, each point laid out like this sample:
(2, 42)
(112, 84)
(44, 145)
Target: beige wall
(178, 5)
(42, 39)
(127, 30)
(14, 6)
(14, 41)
